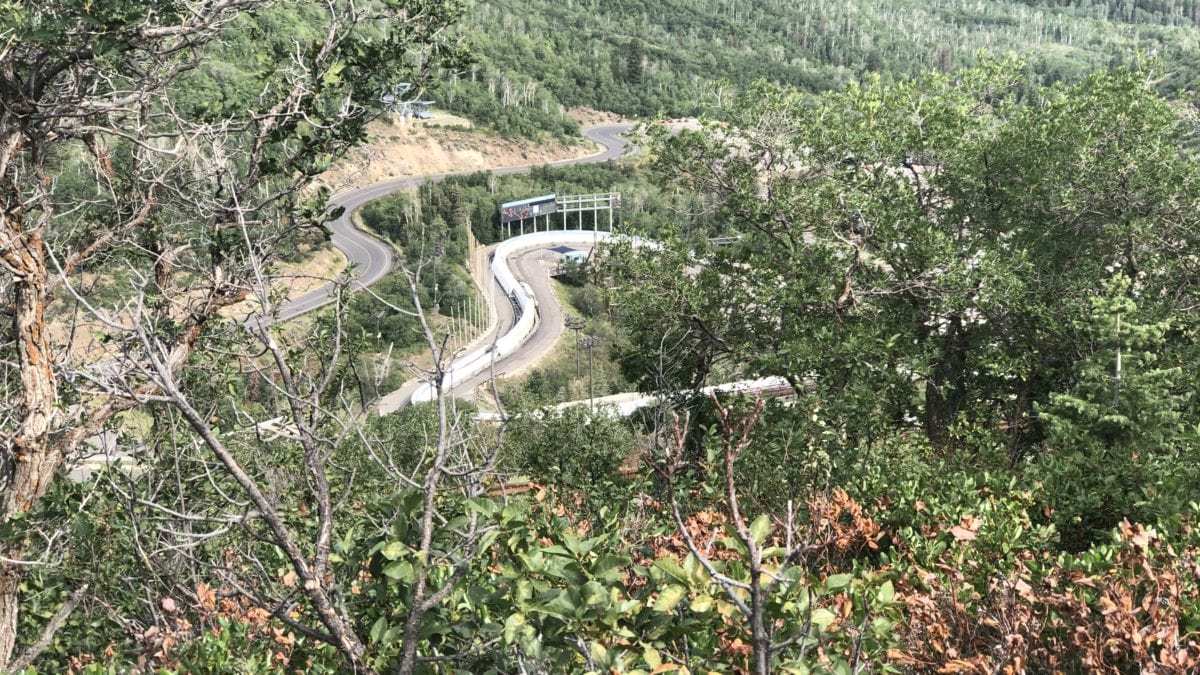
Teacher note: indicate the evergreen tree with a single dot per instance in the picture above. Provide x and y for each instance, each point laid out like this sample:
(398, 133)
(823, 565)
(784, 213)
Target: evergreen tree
(634, 61)
(1116, 437)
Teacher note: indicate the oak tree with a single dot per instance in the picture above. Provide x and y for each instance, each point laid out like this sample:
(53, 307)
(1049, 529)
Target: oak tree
(132, 215)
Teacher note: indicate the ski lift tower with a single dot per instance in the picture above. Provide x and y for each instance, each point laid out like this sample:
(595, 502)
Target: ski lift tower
(395, 101)
(422, 110)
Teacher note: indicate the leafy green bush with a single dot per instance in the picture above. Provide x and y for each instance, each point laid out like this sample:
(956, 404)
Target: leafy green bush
(576, 454)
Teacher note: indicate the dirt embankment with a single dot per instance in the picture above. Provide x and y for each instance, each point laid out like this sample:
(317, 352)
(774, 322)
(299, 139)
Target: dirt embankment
(440, 145)
(589, 117)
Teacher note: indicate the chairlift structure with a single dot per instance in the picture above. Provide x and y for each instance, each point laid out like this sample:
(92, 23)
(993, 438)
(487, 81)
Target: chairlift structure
(394, 101)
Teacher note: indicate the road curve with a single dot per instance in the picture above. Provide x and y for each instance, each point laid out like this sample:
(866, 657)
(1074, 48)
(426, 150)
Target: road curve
(373, 258)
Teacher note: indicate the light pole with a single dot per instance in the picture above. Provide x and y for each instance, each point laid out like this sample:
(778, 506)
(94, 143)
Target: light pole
(576, 324)
(589, 343)
(378, 318)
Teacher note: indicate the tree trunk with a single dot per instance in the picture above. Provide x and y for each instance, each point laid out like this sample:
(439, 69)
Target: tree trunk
(10, 602)
(33, 461)
(30, 461)
(759, 638)
(946, 389)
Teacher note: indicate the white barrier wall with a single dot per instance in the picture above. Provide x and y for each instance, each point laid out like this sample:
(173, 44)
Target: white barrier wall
(470, 365)
(624, 405)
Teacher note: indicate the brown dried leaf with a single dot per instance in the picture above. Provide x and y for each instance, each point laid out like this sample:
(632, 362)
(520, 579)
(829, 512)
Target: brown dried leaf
(206, 596)
(963, 534)
(1107, 606)
(958, 666)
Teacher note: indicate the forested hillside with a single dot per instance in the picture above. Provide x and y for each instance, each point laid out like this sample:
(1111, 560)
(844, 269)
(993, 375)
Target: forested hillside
(640, 57)
(953, 311)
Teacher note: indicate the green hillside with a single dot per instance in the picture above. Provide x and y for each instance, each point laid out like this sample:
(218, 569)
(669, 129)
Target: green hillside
(640, 57)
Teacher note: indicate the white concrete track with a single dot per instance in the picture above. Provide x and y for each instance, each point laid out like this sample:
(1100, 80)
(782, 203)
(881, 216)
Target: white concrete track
(516, 345)
(487, 357)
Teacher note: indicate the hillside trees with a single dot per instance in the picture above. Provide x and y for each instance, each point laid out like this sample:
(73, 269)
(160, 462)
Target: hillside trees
(174, 210)
(576, 54)
(921, 252)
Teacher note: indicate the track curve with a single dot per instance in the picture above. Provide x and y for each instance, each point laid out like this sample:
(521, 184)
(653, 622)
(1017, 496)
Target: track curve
(373, 258)
(467, 366)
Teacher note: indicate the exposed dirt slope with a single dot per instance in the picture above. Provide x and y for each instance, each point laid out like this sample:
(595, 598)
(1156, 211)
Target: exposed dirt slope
(440, 145)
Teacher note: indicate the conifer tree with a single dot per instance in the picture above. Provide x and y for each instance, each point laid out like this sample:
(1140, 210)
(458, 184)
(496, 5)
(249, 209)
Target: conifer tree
(1117, 434)
(633, 61)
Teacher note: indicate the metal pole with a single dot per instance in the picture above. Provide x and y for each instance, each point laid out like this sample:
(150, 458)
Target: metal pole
(576, 324)
(1117, 379)
(591, 402)
(590, 343)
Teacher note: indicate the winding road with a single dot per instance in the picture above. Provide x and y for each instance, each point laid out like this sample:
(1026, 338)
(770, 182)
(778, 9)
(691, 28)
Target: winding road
(373, 257)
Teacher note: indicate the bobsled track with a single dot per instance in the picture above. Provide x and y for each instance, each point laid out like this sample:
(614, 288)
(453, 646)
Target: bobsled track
(486, 358)
(534, 321)
(373, 257)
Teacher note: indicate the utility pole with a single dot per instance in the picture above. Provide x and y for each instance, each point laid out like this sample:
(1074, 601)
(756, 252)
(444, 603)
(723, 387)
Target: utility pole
(576, 324)
(589, 343)
(1117, 379)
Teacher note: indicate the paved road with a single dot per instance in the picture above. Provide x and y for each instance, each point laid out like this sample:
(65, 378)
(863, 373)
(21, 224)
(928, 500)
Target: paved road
(373, 258)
